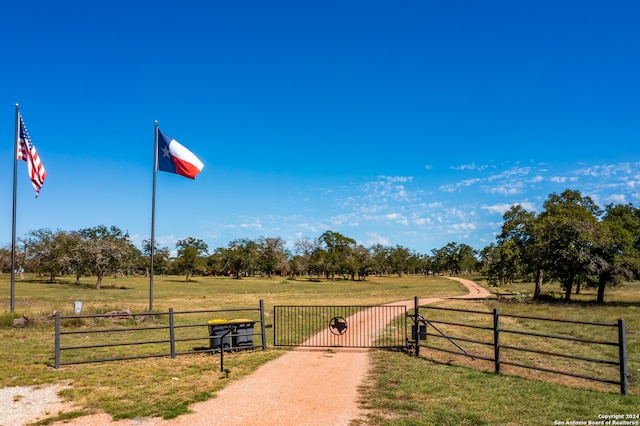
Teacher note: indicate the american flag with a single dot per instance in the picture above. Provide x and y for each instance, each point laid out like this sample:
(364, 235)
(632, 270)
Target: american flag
(28, 153)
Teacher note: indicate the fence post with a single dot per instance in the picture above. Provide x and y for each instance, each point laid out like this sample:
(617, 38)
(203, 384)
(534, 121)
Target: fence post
(622, 349)
(496, 339)
(416, 327)
(172, 335)
(262, 326)
(57, 339)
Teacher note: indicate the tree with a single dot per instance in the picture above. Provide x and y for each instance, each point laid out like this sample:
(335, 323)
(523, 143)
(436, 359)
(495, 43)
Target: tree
(47, 252)
(161, 257)
(522, 245)
(500, 262)
(380, 258)
(241, 255)
(352, 262)
(216, 262)
(614, 255)
(319, 261)
(5, 259)
(105, 250)
(628, 217)
(23, 258)
(191, 253)
(74, 247)
(418, 263)
(567, 228)
(399, 257)
(302, 261)
(339, 249)
(439, 260)
(467, 260)
(271, 254)
(426, 263)
(454, 258)
(365, 263)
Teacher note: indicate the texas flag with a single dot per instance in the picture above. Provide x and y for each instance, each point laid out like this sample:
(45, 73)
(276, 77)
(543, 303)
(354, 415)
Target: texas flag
(175, 158)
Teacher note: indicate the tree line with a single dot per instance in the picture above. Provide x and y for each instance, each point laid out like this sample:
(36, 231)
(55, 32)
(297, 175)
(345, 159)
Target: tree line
(572, 242)
(102, 250)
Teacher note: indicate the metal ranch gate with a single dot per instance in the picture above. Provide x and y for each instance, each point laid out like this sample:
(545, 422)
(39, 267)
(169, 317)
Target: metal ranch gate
(340, 326)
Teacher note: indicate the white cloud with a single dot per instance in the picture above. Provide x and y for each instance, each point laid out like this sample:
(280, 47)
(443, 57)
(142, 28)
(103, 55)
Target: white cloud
(514, 171)
(308, 227)
(398, 218)
(374, 238)
(617, 198)
(388, 187)
(457, 228)
(498, 208)
(558, 179)
(528, 206)
(250, 226)
(511, 186)
(472, 166)
(166, 240)
(422, 221)
(588, 171)
(456, 212)
(514, 189)
(608, 170)
(461, 184)
(447, 188)
(503, 207)
(349, 219)
(137, 239)
(397, 178)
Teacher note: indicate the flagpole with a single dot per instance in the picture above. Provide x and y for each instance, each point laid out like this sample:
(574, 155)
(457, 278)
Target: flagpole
(153, 211)
(13, 218)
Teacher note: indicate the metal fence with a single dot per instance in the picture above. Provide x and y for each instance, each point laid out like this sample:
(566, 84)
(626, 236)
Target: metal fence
(609, 352)
(340, 326)
(81, 339)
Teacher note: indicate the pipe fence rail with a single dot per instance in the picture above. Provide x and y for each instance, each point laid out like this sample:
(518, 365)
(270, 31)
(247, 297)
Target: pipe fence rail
(487, 329)
(123, 336)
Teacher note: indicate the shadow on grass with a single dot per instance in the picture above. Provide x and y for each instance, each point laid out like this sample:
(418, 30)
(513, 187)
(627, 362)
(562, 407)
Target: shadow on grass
(181, 281)
(73, 284)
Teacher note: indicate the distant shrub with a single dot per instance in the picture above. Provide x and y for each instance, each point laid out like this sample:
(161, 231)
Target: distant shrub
(6, 319)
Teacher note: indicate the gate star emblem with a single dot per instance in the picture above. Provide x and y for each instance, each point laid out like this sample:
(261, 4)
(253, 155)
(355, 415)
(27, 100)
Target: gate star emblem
(338, 325)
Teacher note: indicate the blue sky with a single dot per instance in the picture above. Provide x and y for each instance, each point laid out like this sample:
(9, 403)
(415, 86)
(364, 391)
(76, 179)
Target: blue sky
(412, 123)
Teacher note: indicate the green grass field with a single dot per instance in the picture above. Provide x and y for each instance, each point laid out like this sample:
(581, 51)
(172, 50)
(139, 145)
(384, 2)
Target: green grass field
(401, 389)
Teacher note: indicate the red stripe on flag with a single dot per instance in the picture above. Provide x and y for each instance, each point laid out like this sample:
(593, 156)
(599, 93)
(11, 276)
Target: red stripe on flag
(27, 152)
